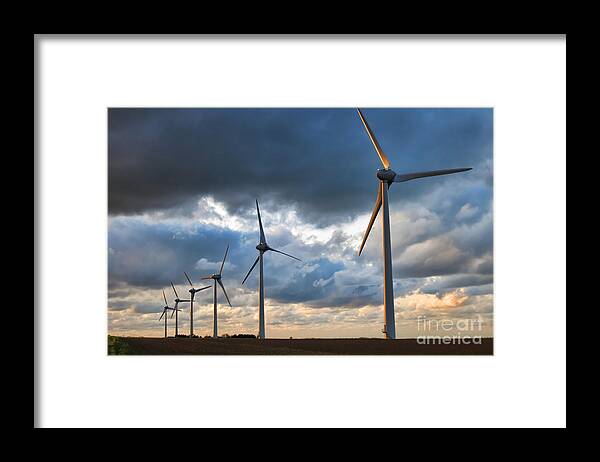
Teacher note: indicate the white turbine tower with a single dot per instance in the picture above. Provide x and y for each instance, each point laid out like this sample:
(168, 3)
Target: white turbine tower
(262, 247)
(217, 280)
(386, 177)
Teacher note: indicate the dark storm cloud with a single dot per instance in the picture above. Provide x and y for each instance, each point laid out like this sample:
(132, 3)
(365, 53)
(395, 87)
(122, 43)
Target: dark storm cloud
(317, 160)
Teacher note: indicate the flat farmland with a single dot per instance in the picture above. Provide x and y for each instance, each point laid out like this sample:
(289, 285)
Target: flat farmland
(252, 346)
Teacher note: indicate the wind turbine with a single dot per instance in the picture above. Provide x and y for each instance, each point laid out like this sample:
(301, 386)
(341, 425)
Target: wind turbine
(165, 309)
(217, 280)
(262, 247)
(192, 292)
(386, 177)
(176, 310)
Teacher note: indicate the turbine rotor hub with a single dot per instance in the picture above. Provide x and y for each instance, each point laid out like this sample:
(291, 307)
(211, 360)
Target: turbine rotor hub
(386, 174)
(262, 247)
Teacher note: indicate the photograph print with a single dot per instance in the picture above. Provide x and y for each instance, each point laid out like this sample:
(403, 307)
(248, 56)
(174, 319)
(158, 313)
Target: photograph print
(300, 231)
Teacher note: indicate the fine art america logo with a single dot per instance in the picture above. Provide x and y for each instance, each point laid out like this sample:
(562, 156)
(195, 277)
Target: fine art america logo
(448, 331)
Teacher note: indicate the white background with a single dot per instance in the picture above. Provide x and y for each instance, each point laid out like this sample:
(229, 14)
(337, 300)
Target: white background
(523, 384)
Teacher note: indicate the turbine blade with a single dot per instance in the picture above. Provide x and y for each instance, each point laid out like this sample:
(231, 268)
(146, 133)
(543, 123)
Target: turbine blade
(223, 288)
(176, 296)
(373, 216)
(283, 253)
(165, 297)
(223, 263)
(206, 277)
(188, 278)
(384, 160)
(263, 240)
(203, 288)
(412, 176)
(163, 313)
(255, 262)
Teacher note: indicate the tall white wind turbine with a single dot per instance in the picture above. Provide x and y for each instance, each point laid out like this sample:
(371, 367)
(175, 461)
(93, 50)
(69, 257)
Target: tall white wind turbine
(262, 247)
(217, 280)
(176, 310)
(192, 292)
(164, 313)
(386, 176)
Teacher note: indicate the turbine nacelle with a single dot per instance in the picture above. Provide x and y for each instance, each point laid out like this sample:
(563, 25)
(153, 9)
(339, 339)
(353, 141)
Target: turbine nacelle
(262, 247)
(386, 174)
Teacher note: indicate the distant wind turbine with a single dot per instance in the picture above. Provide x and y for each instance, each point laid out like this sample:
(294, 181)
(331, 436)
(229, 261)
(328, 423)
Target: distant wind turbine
(386, 177)
(176, 310)
(262, 247)
(165, 309)
(192, 292)
(217, 280)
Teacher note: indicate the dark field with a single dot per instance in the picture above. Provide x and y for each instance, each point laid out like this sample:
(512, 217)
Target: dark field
(252, 346)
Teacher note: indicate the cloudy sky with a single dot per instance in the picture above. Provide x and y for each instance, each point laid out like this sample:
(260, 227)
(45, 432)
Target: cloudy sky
(182, 185)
